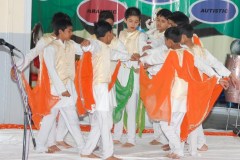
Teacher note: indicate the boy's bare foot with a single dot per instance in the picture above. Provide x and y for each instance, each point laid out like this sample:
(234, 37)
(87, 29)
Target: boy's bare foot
(203, 148)
(154, 142)
(113, 158)
(173, 156)
(63, 144)
(166, 147)
(53, 149)
(128, 145)
(90, 156)
(116, 142)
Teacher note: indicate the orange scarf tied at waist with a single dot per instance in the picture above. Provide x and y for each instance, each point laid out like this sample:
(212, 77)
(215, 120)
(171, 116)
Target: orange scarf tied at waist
(39, 98)
(84, 82)
(196, 115)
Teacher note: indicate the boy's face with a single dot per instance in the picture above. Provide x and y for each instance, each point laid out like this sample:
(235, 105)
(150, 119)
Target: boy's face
(168, 43)
(171, 23)
(162, 23)
(66, 34)
(132, 23)
(109, 37)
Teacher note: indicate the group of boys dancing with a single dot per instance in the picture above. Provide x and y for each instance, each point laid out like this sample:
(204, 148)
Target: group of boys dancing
(169, 51)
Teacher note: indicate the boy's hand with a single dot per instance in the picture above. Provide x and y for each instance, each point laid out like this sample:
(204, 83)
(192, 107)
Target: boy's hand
(146, 66)
(66, 94)
(85, 43)
(224, 83)
(13, 75)
(146, 48)
(233, 80)
(136, 70)
(135, 57)
(144, 54)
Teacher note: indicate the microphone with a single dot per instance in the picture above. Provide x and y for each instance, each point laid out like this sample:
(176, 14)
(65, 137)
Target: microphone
(2, 42)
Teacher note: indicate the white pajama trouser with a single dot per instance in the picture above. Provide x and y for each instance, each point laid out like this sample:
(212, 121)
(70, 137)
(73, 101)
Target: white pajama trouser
(62, 129)
(158, 133)
(67, 108)
(172, 132)
(101, 123)
(196, 139)
(131, 107)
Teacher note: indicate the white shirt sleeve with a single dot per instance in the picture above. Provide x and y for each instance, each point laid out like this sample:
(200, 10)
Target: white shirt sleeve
(78, 48)
(49, 58)
(23, 63)
(217, 65)
(160, 49)
(142, 41)
(94, 47)
(155, 57)
(120, 53)
(204, 68)
(156, 42)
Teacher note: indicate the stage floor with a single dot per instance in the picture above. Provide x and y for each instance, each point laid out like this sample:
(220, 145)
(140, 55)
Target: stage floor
(220, 148)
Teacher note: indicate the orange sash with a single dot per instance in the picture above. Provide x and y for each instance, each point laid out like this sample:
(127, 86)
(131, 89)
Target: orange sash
(40, 99)
(83, 83)
(197, 113)
(156, 92)
(114, 76)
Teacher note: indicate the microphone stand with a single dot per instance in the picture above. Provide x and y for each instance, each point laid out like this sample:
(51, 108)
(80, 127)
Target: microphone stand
(27, 112)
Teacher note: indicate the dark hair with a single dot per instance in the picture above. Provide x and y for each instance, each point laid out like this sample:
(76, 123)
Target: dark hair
(61, 25)
(187, 30)
(101, 28)
(132, 11)
(179, 18)
(164, 13)
(173, 33)
(58, 16)
(104, 15)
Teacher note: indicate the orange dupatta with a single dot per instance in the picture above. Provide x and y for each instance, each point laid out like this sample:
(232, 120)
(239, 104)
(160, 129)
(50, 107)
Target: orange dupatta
(83, 83)
(196, 114)
(156, 92)
(39, 98)
(114, 76)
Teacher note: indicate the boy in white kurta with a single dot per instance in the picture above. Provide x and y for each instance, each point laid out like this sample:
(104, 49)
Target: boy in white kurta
(156, 45)
(197, 139)
(134, 41)
(101, 123)
(59, 57)
(23, 63)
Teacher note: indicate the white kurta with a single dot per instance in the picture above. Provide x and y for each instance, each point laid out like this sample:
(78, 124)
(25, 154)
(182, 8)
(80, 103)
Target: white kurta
(157, 42)
(101, 118)
(134, 42)
(66, 105)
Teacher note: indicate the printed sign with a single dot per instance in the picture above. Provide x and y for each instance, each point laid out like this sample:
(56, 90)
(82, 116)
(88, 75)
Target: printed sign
(89, 10)
(214, 11)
